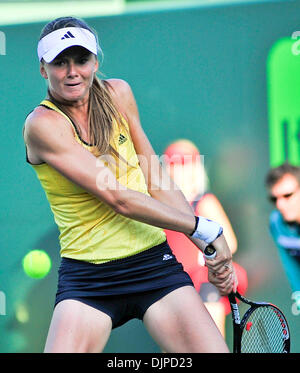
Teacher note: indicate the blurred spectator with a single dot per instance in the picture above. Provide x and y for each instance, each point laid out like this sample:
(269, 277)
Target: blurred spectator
(184, 164)
(283, 186)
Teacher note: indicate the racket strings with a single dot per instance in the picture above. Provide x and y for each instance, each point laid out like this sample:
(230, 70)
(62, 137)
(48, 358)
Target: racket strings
(264, 331)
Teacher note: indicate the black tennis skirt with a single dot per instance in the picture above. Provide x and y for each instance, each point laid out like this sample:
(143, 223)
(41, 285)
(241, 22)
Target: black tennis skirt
(152, 273)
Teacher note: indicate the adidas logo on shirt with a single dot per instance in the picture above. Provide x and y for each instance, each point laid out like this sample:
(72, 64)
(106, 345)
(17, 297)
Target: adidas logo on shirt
(167, 256)
(122, 139)
(68, 35)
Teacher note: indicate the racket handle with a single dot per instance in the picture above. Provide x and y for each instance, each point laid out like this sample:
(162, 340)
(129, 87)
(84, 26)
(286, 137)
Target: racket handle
(210, 252)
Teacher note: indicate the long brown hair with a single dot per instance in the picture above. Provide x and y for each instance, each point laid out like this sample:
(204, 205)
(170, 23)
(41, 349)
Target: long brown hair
(102, 112)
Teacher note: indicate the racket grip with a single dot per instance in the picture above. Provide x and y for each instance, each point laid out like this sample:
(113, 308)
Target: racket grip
(210, 252)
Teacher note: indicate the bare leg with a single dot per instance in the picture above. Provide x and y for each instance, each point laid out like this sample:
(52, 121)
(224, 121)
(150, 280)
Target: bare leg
(217, 311)
(77, 327)
(179, 322)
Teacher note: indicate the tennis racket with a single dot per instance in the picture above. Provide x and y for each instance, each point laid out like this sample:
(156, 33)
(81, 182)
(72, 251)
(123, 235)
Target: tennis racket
(262, 329)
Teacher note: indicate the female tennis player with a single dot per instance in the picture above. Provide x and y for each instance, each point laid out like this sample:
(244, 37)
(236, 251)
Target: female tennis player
(109, 199)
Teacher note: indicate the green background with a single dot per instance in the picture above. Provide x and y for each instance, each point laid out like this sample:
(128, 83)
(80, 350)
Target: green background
(198, 73)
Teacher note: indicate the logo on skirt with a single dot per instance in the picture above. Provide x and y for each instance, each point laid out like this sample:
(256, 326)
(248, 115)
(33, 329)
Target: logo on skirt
(167, 257)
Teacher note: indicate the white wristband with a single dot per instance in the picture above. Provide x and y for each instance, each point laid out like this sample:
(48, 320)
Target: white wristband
(207, 230)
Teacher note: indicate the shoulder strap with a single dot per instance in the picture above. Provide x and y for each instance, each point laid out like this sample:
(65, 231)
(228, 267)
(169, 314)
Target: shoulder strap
(52, 106)
(48, 104)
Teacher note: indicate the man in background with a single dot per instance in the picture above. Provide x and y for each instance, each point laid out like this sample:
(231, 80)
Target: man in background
(283, 185)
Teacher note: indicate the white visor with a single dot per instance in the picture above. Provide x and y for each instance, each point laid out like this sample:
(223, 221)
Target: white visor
(57, 41)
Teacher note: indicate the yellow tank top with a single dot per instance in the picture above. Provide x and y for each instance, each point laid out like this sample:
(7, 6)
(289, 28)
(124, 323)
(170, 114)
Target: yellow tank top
(89, 229)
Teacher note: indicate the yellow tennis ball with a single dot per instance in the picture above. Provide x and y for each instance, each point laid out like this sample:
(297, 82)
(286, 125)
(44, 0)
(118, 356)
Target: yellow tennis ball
(37, 264)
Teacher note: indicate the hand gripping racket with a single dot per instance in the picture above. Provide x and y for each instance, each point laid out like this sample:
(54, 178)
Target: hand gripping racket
(262, 329)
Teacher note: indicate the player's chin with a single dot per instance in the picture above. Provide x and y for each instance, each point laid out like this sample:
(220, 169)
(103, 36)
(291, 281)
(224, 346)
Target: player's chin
(73, 97)
(75, 93)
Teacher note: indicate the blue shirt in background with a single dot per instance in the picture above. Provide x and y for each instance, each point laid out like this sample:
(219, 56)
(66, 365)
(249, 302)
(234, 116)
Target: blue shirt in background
(287, 239)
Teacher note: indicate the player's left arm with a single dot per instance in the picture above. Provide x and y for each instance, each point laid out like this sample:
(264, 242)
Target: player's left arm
(210, 207)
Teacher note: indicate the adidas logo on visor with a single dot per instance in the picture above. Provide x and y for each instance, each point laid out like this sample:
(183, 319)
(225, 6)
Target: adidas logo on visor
(68, 35)
(48, 48)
